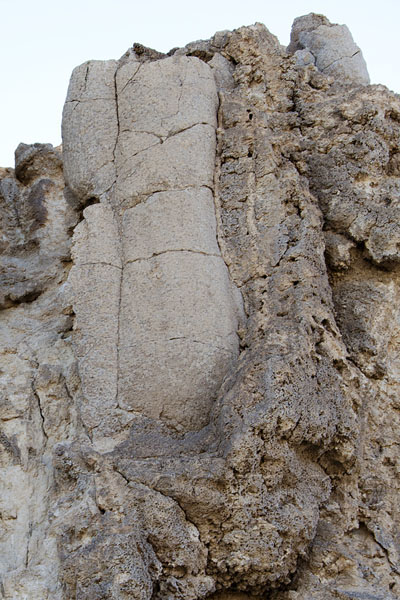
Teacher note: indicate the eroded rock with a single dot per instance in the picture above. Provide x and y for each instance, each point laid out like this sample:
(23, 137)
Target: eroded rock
(204, 402)
(34, 223)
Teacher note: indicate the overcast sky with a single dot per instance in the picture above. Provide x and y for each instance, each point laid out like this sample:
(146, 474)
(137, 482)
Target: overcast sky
(41, 41)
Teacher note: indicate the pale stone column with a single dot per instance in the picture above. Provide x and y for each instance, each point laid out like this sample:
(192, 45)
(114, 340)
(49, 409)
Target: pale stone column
(163, 311)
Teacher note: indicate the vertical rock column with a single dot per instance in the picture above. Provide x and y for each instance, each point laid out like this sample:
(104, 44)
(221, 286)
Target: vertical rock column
(90, 130)
(174, 337)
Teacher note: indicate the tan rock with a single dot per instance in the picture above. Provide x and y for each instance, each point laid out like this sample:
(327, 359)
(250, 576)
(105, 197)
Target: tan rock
(144, 453)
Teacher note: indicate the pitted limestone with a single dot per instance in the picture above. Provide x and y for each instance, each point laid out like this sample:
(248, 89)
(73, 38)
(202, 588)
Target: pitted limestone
(291, 489)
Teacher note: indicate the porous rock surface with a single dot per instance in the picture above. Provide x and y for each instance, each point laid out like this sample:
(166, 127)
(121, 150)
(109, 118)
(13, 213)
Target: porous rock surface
(200, 345)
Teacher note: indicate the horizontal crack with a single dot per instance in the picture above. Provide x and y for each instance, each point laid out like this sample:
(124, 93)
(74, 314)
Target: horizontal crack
(89, 264)
(173, 134)
(133, 260)
(145, 196)
(222, 348)
(128, 158)
(80, 100)
(161, 139)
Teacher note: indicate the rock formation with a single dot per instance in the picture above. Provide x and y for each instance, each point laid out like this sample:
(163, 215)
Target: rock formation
(200, 321)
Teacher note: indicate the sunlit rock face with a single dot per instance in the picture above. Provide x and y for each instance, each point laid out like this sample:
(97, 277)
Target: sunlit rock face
(330, 47)
(151, 291)
(199, 316)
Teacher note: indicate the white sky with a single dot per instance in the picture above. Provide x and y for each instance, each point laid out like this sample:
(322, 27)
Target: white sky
(41, 41)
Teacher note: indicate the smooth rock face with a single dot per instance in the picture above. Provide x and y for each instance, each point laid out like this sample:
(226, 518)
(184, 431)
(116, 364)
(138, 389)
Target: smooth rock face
(167, 114)
(174, 297)
(228, 191)
(150, 290)
(89, 149)
(332, 47)
(95, 281)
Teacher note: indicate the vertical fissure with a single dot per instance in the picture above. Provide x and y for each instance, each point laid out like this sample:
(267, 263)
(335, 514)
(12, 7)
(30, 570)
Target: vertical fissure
(119, 221)
(217, 174)
(117, 115)
(119, 326)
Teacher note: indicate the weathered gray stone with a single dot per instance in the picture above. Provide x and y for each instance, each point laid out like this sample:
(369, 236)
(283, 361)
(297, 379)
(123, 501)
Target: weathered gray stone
(182, 161)
(332, 46)
(181, 338)
(305, 23)
(96, 238)
(89, 149)
(177, 220)
(168, 96)
(167, 122)
(34, 223)
(150, 290)
(35, 160)
(143, 453)
(36, 363)
(304, 57)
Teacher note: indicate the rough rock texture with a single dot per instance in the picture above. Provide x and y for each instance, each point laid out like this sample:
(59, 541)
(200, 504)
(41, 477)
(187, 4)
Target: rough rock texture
(38, 375)
(200, 376)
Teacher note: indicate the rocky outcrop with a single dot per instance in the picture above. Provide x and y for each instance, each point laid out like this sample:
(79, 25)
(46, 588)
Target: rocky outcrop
(38, 376)
(200, 360)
